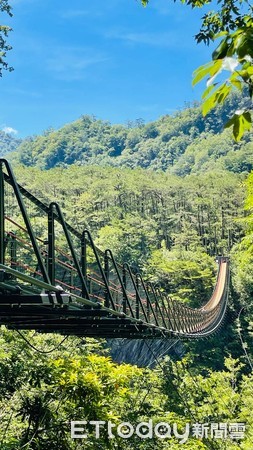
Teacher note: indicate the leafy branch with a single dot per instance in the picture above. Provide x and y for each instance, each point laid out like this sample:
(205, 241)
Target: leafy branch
(4, 31)
(235, 55)
(232, 24)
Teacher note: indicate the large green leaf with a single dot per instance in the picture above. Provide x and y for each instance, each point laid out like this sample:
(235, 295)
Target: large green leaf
(211, 68)
(215, 98)
(240, 122)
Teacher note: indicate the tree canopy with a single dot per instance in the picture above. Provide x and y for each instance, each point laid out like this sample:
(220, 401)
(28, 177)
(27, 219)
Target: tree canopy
(184, 143)
(4, 31)
(231, 67)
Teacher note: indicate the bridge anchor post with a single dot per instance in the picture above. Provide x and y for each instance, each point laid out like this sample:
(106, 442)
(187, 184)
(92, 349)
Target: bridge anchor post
(1, 214)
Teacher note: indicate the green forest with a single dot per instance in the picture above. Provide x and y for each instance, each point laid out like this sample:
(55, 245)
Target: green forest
(181, 144)
(167, 197)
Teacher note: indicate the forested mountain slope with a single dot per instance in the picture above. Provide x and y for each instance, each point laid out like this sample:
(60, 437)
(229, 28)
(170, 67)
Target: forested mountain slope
(184, 143)
(8, 143)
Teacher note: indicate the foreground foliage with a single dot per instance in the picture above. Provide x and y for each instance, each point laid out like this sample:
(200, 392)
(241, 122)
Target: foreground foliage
(231, 23)
(42, 392)
(4, 31)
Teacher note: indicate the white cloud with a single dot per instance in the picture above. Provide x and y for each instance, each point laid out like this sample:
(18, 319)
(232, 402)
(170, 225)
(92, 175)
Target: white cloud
(76, 13)
(72, 13)
(23, 92)
(71, 63)
(21, 2)
(148, 107)
(158, 39)
(163, 7)
(9, 130)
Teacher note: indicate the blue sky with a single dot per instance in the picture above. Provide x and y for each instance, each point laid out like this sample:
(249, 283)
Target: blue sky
(113, 59)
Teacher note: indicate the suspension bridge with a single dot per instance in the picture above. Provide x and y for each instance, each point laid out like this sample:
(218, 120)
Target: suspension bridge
(54, 279)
